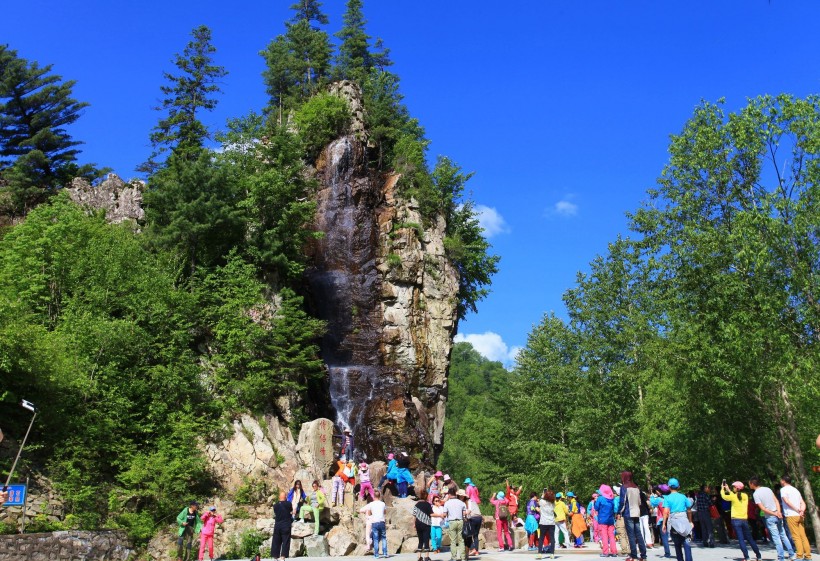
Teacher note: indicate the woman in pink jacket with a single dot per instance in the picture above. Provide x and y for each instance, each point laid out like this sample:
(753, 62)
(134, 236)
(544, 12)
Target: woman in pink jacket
(502, 521)
(210, 519)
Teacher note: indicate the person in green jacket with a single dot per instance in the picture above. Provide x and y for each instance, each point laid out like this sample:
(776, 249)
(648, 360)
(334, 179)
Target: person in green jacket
(189, 526)
(316, 501)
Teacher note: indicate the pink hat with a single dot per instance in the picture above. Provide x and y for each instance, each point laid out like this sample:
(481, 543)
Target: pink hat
(390, 456)
(738, 485)
(363, 465)
(438, 474)
(606, 491)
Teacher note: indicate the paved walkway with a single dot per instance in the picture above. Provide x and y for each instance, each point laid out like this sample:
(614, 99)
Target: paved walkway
(718, 553)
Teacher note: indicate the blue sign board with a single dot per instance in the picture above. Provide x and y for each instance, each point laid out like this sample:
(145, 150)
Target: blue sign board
(17, 495)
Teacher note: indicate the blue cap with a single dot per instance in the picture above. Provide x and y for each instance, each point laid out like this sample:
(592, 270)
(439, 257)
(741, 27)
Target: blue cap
(559, 495)
(499, 495)
(468, 481)
(673, 483)
(571, 494)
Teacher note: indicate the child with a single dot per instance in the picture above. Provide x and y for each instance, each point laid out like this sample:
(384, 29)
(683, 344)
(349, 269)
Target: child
(364, 481)
(210, 519)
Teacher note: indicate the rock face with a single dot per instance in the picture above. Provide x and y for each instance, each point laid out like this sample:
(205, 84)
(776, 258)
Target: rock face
(121, 201)
(81, 546)
(382, 281)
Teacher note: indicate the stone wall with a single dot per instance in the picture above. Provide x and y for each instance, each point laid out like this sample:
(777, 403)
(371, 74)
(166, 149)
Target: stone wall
(58, 546)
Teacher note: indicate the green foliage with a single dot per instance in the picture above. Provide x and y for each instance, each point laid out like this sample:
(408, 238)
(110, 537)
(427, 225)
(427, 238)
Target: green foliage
(393, 260)
(247, 545)
(252, 490)
(7, 529)
(37, 155)
(320, 120)
(186, 96)
(193, 210)
(356, 59)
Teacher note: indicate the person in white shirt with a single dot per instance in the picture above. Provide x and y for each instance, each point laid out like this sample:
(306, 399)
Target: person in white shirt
(455, 510)
(375, 511)
(795, 512)
(437, 520)
(770, 507)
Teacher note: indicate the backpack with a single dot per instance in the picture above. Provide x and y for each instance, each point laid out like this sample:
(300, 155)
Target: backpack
(503, 513)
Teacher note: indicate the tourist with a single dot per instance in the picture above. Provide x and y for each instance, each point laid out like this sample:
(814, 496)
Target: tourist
(656, 501)
(314, 503)
(375, 510)
(502, 521)
(391, 473)
(296, 496)
(630, 511)
(473, 520)
(206, 537)
(513, 495)
(436, 522)
(677, 520)
(283, 521)
(740, 514)
(770, 507)
(348, 447)
(364, 481)
(795, 513)
(592, 518)
(605, 507)
(546, 523)
(368, 529)
(531, 522)
(620, 524)
(403, 477)
(561, 516)
(450, 486)
(189, 525)
(646, 532)
(423, 513)
(471, 490)
(337, 490)
(455, 510)
(577, 523)
(436, 487)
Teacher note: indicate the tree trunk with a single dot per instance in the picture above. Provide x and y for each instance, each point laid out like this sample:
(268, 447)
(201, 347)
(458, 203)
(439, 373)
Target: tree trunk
(795, 458)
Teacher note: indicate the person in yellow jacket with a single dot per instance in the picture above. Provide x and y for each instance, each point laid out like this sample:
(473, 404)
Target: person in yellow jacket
(561, 515)
(740, 515)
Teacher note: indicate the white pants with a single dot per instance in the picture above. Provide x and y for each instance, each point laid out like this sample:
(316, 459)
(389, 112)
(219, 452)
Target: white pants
(648, 536)
(561, 527)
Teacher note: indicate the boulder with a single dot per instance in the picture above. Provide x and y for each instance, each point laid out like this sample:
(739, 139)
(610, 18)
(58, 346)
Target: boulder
(340, 541)
(265, 525)
(410, 544)
(316, 546)
(519, 538)
(360, 551)
(297, 547)
(301, 529)
(400, 516)
(394, 540)
(315, 447)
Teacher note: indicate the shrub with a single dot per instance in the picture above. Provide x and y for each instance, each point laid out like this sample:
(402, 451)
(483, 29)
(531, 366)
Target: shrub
(322, 119)
(247, 545)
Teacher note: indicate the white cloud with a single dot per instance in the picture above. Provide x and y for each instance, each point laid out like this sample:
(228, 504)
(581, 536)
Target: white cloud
(491, 221)
(565, 208)
(491, 346)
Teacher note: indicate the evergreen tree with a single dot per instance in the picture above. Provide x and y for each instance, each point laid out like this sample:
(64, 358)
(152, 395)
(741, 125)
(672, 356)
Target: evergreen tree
(186, 96)
(298, 61)
(355, 59)
(37, 152)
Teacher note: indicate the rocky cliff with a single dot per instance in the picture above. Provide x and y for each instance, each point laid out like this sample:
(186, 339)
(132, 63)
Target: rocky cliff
(382, 281)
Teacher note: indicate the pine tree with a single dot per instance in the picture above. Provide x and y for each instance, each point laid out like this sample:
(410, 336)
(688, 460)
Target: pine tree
(37, 152)
(298, 61)
(187, 94)
(355, 59)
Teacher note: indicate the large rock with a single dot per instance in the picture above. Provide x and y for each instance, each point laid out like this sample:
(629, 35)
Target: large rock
(255, 452)
(316, 546)
(410, 544)
(400, 516)
(301, 529)
(382, 280)
(394, 540)
(315, 448)
(121, 201)
(341, 541)
(520, 538)
(297, 547)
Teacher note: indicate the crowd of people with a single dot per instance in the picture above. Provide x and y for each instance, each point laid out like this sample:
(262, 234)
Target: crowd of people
(623, 519)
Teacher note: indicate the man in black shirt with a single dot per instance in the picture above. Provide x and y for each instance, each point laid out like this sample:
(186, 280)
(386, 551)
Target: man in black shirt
(280, 542)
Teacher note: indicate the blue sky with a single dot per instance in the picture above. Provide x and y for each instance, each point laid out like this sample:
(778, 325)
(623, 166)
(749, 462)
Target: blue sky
(562, 109)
